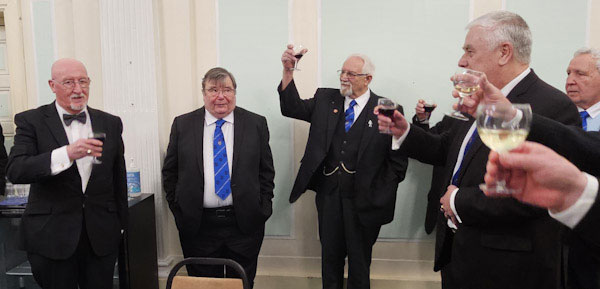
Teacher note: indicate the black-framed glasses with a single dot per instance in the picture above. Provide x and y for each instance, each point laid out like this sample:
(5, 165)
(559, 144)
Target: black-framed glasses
(70, 83)
(350, 74)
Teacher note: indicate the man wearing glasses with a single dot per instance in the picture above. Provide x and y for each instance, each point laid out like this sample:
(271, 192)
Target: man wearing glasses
(72, 224)
(347, 163)
(218, 178)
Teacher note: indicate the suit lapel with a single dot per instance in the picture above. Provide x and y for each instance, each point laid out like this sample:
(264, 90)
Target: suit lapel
(336, 107)
(238, 137)
(198, 127)
(370, 127)
(522, 87)
(55, 125)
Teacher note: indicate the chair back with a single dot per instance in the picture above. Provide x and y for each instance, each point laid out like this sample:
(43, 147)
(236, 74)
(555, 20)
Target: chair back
(189, 282)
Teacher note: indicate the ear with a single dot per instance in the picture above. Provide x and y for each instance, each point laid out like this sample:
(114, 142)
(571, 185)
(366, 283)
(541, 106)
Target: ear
(506, 51)
(51, 84)
(368, 78)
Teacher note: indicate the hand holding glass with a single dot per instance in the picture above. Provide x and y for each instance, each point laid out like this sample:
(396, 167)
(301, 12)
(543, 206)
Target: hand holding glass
(502, 127)
(387, 108)
(98, 136)
(466, 82)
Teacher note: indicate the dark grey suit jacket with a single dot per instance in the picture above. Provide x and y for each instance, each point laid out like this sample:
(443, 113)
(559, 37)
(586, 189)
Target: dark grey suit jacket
(252, 171)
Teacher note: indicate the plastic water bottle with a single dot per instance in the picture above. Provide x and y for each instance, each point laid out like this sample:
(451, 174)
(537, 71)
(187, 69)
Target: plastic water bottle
(134, 189)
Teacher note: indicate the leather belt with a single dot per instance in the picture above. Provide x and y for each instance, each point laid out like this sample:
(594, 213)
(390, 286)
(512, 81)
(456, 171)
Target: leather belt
(327, 174)
(220, 212)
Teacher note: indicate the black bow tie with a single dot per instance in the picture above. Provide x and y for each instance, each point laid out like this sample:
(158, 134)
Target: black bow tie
(69, 118)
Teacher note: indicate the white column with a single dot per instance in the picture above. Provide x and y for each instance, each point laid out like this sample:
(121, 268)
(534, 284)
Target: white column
(129, 70)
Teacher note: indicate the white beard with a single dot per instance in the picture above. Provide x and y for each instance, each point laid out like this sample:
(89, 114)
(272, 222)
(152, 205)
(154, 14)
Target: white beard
(346, 90)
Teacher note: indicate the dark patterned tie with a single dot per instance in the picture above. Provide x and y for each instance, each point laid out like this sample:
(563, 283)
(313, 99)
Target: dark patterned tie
(584, 115)
(467, 147)
(69, 118)
(221, 168)
(349, 114)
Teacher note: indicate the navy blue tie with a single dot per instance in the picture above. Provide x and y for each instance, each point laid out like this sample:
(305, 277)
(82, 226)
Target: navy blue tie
(349, 114)
(221, 167)
(584, 115)
(467, 147)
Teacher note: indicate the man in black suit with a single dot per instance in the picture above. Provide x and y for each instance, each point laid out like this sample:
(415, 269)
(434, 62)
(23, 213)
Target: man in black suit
(218, 178)
(76, 211)
(490, 243)
(347, 162)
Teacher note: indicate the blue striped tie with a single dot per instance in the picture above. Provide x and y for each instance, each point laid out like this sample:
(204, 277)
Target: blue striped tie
(349, 113)
(222, 185)
(584, 115)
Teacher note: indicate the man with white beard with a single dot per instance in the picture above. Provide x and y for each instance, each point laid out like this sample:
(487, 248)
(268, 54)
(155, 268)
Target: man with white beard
(347, 162)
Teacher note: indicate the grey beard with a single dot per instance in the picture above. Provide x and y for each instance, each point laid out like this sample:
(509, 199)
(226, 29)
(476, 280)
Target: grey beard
(346, 91)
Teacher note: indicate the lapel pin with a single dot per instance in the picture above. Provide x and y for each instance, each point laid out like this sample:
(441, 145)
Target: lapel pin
(335, 110)
(370, 123)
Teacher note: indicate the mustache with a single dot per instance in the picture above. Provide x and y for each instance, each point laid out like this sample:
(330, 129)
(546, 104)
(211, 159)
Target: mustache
(76, 95)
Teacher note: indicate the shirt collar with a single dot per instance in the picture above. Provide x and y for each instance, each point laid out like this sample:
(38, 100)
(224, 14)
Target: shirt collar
(361, 100)
(593, 110)
(509, 86)
(210, 119)
(62, 111)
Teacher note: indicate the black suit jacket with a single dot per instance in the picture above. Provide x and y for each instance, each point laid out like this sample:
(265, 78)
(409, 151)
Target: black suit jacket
(252, 171)
(3, 161)
(501, 243)
(377, 174)
(52, 222)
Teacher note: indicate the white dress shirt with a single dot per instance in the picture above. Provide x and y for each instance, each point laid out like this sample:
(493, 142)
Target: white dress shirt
(361, 102)
(59, 160)
(593, 121)
(211, 200)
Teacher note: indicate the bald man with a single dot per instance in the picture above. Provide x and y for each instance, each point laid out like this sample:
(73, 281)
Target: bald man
(77, 204)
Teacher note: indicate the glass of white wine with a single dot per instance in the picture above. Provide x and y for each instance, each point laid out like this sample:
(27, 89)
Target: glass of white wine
(502, 127)
(466, 82)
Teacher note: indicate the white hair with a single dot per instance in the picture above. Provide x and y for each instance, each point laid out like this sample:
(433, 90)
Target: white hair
(368, 66)
(506, 26)
(595, 53)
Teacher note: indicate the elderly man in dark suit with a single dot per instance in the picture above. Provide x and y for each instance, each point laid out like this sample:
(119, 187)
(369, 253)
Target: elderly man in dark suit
(218, 178)
(77, 207)
(482, 242)
(347, 162)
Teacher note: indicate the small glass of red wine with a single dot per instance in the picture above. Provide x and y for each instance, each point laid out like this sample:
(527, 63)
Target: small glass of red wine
(387, 108)
(98, 136)
(429, 106)
(298, 53)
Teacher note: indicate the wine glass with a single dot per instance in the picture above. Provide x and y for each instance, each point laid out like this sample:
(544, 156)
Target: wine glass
(429, 106)
(502, 127)
(466, 82)
(298, 53)
(387, 108)
(101, 137)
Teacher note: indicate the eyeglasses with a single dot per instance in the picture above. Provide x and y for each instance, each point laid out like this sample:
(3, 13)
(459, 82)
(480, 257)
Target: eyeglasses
(350, 74)
(70, 83)
(225, 91)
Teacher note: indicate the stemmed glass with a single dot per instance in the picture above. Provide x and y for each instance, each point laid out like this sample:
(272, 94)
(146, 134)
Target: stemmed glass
(429, 105)
(502, 127)
(101, 137)
(387, 108)
(298, 53)
(466, 82)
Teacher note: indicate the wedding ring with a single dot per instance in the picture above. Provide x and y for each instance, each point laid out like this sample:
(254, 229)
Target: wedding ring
(89, 151)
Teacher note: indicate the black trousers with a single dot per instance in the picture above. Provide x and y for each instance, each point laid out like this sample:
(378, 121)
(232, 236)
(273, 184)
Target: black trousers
(343, 235)
(220, 237)
(84, 268)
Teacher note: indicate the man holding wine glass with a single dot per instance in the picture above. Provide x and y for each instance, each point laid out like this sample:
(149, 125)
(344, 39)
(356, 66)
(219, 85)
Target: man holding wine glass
(482, 242)
(72, 224)
(348, 163)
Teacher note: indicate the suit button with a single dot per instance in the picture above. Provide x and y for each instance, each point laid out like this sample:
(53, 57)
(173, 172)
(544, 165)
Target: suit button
(342, 152)
(339, 173)
(232, 185)
(344, 142)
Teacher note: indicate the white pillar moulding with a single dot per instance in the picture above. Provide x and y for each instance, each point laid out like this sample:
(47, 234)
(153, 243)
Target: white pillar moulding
(131, 91)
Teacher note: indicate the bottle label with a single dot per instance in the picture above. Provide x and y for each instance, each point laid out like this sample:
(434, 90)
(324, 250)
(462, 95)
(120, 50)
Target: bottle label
(133, 183)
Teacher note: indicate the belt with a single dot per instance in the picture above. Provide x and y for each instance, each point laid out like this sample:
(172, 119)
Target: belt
(327, 174)
(220, 212)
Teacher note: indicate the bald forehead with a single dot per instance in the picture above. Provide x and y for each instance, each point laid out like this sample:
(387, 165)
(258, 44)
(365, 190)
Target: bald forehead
(67, 66)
